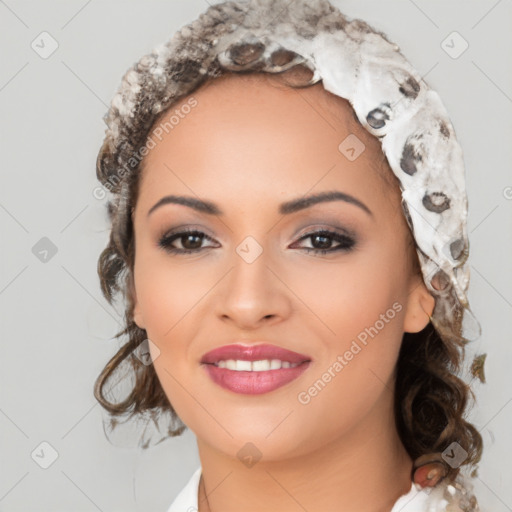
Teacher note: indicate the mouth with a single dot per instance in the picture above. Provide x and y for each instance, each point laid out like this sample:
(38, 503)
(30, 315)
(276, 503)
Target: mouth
(253, 369)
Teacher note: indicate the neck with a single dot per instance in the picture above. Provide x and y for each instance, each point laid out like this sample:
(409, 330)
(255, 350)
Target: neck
(365, 470)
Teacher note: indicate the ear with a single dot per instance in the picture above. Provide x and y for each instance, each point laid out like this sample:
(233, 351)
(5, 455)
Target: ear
(137, 313)
(420, 305)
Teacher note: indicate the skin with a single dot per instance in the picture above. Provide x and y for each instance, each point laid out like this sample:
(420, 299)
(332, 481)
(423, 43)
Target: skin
(248, 139)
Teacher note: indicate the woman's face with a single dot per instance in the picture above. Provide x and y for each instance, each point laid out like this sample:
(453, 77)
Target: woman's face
(249, 146)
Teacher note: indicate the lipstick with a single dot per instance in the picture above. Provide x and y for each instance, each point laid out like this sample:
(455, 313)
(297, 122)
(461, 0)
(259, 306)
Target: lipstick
(253, 369)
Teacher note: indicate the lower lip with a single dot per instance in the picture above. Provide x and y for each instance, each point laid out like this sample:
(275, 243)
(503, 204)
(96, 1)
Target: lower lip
(254, 383)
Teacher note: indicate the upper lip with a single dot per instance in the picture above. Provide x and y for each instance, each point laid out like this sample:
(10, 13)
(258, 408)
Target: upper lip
(252, 353)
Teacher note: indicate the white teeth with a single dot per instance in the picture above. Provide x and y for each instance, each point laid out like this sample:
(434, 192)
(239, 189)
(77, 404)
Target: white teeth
(255, 366)
(275, 364)
(262, 366)
(231, 364)
(243, 366)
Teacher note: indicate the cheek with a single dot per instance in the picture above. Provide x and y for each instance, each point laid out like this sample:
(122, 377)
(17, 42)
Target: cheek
(353, 377)
(358, 314)
(166, 298)
(166, 293)
(351, 294)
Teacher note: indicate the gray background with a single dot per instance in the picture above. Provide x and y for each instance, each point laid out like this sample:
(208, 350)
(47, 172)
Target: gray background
(56, 327)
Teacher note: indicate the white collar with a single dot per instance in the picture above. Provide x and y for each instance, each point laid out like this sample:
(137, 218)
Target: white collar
(415, 500)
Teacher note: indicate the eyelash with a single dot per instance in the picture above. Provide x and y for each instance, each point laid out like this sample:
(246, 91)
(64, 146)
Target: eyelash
(347, 242)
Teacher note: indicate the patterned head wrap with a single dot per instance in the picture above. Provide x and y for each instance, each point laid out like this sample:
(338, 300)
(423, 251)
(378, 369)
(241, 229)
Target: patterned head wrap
(353, 61)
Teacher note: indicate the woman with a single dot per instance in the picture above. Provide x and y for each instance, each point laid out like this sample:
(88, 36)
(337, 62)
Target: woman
(301, 295)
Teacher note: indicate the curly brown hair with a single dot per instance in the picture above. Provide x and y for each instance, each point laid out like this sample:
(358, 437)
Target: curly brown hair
(431, 400)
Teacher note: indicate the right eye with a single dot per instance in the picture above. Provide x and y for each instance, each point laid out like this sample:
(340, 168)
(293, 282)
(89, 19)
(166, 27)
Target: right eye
(189, 239)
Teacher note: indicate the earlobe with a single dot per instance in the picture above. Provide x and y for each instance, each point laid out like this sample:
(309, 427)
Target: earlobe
(420, 306)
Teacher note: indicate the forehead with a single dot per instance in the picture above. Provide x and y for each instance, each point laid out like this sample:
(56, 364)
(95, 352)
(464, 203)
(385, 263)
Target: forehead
(253, 127)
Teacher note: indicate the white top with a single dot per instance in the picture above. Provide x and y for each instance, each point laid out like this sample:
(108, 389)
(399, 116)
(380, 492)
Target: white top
(416, 500)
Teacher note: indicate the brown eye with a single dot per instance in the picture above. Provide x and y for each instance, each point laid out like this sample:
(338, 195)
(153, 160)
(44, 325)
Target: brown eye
(190, 240)
(322, 242)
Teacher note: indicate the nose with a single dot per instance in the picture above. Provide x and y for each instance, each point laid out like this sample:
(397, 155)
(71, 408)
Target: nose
(253, 294)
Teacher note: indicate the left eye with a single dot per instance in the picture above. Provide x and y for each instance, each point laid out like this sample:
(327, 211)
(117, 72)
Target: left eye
(191, 241)
(324, 239)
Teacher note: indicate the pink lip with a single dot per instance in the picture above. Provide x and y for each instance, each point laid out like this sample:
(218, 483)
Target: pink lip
(248, 382)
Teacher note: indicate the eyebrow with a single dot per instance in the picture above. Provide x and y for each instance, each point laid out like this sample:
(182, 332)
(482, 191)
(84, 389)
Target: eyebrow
(286, 208)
